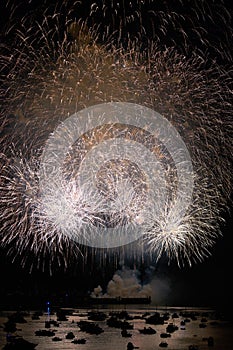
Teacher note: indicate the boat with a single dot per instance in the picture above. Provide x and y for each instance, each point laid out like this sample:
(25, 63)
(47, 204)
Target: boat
(18, 343)
(147, 330)
(96, 316)
(79, 341)
(44, 333)
(89, 327)
(163, 344)
(202, 325)
(156, 318)
(171, 328)
(125, 333)
(121, 315)
(165, 335)
(70, 335)
(182, 325)
(56, 339)
(62, 315)
(114, 322)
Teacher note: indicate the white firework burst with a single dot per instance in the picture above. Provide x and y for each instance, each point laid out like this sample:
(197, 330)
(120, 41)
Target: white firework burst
(53, 68)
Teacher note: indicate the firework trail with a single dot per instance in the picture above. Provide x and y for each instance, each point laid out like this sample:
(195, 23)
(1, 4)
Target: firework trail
(158, 55)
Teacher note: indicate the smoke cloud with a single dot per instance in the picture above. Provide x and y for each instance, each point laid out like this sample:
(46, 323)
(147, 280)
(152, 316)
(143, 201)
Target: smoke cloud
(125, 284)
(131, 283)
(161, 290)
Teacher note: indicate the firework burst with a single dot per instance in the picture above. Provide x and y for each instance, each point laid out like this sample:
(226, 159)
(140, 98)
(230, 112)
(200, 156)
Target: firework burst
(61, 65)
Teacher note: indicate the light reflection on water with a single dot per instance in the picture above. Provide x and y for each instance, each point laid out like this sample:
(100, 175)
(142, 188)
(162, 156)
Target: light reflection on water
(111, 337)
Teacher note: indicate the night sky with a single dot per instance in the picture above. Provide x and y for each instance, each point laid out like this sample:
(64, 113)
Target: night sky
(207, 283)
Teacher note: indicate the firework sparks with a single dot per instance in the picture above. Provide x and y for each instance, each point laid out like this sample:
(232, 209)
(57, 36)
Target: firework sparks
(58, 67)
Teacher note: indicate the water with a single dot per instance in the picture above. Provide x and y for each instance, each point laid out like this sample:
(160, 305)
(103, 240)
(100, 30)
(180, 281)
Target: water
(111, 338)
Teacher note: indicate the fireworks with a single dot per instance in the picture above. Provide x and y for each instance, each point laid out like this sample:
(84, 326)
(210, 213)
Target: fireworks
(107, 180)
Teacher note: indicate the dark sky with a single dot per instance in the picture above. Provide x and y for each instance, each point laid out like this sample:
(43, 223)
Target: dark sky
(206, 283)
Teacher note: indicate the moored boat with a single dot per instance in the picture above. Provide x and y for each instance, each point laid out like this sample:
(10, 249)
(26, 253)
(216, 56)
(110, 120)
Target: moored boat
(19, 343)
(147, 330)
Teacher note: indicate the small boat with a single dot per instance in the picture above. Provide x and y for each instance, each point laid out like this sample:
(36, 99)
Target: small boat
(56, 339)
(45, 333)
(18, 343)
(126, 325)
(155, 319)
(163, 344)
(202, 325)
(113, 321)
(70, 335)
(147, 330)
(121, 315)
(165, 335)
(171, 328)
(61, 315)
(125, 333)
(79, 341)
(182, 325)
(97, 316)
(90, 327)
